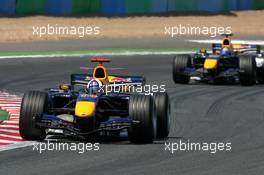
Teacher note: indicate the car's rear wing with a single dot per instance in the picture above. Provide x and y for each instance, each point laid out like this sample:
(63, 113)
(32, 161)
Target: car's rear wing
(83, 79)
(239, 48)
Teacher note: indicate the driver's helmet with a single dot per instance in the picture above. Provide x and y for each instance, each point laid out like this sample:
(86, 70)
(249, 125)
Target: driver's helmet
(94, 86)
(225, 52)
(203, 51)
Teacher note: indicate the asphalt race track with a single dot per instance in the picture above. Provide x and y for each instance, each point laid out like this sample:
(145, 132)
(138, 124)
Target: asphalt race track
(200, 113)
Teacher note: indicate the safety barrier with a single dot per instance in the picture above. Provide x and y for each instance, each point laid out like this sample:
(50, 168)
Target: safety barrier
(158, 6)
(258, 4)
(30, 7)
(58, 7)
(244, 4)
(121, 7)
(230, 5)
(113, 7)
(211, 6)
(86, 7)
(7, 7)
(138, 6)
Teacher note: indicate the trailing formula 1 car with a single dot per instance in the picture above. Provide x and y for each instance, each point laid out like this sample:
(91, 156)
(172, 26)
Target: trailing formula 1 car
(229, 62)
(94, 104)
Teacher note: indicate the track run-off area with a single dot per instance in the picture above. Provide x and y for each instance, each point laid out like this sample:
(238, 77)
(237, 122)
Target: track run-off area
(9, 129)
(199, 113)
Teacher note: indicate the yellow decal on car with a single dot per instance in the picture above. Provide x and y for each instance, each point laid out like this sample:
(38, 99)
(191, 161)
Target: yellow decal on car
(210, 64)
(85, 109)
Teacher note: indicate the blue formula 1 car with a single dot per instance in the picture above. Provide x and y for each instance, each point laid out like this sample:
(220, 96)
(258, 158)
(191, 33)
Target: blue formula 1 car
(95, 104)
(230, 62)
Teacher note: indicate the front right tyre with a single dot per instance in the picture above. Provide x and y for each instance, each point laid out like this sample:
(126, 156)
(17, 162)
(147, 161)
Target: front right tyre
(142, 110)
(260, 75)
(162, 104)
(33, 102)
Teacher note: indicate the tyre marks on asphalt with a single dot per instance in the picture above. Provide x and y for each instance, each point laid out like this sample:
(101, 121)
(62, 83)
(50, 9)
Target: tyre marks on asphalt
(210, 114)
(250, 94)
(179, 97)
(223, 115)
(9, 129)
(219, 103)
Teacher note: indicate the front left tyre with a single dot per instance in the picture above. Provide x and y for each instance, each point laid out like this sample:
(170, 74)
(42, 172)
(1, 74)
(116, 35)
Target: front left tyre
(33, 103)
(180, 63)
(247, 73)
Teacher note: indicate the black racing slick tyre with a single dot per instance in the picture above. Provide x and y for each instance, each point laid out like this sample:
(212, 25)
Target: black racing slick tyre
(260, 75)
(33, 102)
(180, 62)
(247, 73)
(142, 110)
(162, 104)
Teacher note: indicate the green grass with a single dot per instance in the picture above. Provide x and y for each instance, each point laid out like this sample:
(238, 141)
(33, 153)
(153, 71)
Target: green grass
(90, 52)
(3, 115)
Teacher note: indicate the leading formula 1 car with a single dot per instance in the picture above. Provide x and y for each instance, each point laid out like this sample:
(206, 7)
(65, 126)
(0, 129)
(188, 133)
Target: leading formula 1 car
(229, 62)
(92, 105)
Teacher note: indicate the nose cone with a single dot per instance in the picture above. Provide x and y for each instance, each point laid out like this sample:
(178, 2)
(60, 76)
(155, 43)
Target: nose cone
(210, 64)
(85, 109)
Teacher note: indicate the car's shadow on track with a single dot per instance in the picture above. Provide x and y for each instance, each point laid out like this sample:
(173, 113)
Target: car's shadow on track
(105, 140)
(221, 83)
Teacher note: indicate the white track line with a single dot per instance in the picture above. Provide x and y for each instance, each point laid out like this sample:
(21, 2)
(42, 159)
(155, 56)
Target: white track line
(14, 114)
(10, 105)
(124, 53)
(17, 145)
(9, 126)
(3, 95)
(9, 121)
(12, 117)
(8, 141)
(11, 137)
(9, 130)
(10, 99)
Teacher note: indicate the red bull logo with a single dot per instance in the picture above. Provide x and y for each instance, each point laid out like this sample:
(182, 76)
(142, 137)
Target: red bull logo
(119, 79)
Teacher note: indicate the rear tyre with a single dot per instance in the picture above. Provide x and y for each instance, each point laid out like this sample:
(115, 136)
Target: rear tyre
(162, 104)
(247, 73)
(142, 109)
(180, 62)
(33, 103)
